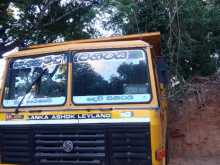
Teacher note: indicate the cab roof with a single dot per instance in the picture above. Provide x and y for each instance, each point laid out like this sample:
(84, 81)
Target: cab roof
(127, 41)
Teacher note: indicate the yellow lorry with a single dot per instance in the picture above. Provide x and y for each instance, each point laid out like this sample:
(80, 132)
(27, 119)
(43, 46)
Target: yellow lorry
(84, 102)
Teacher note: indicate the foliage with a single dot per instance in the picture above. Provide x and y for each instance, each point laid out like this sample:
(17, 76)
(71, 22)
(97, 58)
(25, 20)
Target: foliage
(43, 21)
(190, 30)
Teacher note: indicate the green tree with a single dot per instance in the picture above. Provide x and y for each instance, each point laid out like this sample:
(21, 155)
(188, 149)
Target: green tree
(190, 29)
(193, 33)
(5, 19)
(43, 21)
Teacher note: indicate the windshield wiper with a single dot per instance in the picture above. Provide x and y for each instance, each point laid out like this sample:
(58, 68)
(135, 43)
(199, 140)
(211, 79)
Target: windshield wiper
(28, 90)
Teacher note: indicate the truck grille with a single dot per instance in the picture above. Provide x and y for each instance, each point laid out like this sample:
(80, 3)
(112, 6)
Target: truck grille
(88, 146)
(129, 144)
(16, 146)
(99, 144)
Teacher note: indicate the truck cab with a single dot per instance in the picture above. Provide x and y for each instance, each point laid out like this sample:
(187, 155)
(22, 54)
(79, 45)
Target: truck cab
(97, 102)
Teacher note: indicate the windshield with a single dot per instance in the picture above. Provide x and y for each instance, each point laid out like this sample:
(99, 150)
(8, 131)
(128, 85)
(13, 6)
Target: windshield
(104, 77)
(50, 89)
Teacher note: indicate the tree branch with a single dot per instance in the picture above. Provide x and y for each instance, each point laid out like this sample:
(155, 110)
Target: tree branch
(62, 16)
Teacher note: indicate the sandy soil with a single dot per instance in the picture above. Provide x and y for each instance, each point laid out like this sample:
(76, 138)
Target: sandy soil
(195, 161)
(194, 124)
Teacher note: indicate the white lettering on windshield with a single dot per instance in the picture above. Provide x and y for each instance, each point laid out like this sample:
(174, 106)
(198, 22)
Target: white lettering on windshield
(109, 55)
(38, 62)
(111, 99)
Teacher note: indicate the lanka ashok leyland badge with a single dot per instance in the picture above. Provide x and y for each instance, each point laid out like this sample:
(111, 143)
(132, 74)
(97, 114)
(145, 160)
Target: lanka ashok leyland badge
(68, 146)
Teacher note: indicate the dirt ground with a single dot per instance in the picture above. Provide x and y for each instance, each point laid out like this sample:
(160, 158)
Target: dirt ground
(196, 161)
(194, 124)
